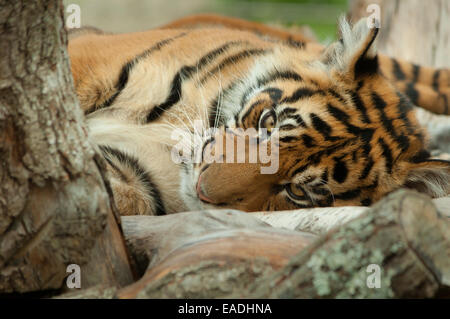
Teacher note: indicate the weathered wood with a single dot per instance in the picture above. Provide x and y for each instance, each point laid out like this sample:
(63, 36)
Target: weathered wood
(96, 292)
(54, 204)
(217, 254)
(403, 234)
(404, 22)
(205, 254)
(321, 220)
(314, 220)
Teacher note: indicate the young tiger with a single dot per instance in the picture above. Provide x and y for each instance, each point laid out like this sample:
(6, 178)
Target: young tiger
(347, 132)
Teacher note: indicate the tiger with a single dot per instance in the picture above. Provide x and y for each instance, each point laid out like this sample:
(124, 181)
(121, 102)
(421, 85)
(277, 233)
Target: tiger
(343, 116)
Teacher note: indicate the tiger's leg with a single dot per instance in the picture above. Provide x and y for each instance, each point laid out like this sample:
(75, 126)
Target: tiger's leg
(426, 87)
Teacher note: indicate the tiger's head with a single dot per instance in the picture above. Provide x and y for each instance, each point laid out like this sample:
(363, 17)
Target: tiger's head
(340, 132)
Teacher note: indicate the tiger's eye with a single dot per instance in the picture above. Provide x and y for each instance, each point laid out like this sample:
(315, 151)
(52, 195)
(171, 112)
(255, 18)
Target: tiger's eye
(296, 192)
(268, 120)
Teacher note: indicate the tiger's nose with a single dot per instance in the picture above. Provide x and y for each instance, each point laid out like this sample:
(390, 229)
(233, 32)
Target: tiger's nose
(200, 192)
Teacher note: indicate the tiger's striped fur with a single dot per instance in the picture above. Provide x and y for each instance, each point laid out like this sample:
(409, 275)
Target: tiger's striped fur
(348, 134)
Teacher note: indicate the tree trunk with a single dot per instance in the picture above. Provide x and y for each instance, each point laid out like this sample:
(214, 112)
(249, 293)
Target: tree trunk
(54, 206)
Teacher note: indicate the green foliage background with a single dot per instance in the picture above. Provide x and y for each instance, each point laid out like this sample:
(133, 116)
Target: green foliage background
(320, 15)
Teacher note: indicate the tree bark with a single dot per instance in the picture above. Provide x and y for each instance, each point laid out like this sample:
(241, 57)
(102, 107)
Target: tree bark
(403, 234)
(227, 254)
(207, 254)
(54, 204)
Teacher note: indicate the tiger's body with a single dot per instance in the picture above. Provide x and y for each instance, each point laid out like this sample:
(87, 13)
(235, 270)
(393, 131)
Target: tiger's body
(347, 133)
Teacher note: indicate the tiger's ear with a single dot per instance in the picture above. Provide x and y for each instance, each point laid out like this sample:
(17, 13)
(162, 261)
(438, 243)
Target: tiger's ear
(355, 54)
(431, 177)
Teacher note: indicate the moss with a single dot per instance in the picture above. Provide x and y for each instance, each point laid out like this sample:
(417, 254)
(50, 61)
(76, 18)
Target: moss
(207, 279)
(340, 265)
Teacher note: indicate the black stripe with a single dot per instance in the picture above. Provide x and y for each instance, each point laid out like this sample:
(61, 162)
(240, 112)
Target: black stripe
(286, 112)
(308, 140)
(397, 70)
(387, 153)
(294, 43)
(340, 171)
(420, 156)
(367, 168)
(364, 134)
(404, 106)
(185, 73)
(274, 93)
(324, 176)
(299, 170)
(337, 95)
(210, 56)
(273, 76)
(327, 202)
(288, 139)
(319, 191)
(351, 194)
(298, 118)
(250, 109)
(415, 72)
(174, 97)
(360, 106)
(380, 105)
(143, 176)
(366, 65)
(411, 92)
(233, 59)
(338, 114)
(300, 94)
(435, 84)
(126, 69)
(287, 127)
(322, 127)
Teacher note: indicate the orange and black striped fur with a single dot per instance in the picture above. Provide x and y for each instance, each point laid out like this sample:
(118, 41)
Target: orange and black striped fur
(347, 131)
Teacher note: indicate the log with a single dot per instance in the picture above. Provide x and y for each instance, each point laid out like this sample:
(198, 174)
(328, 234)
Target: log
(403, 234)
(205, 254)
(321, 220)
(96, 292)
(55, 203)
(314, 220)
(230, 254)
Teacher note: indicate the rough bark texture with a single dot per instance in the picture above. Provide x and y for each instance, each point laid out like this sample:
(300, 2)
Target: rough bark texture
(404, 234)
(206, 254)
(227, 254)
(54, 205)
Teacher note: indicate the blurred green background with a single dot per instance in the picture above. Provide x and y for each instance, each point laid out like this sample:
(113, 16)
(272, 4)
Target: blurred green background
(138, 15)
